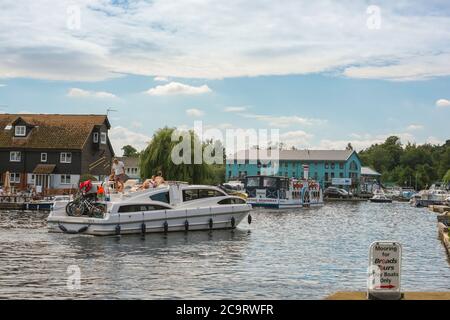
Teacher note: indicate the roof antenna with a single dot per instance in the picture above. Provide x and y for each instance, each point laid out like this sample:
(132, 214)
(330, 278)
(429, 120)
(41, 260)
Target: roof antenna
(110, 110)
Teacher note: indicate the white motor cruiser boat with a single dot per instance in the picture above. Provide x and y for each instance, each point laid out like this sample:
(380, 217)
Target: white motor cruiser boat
(170, 207)
(379, 196)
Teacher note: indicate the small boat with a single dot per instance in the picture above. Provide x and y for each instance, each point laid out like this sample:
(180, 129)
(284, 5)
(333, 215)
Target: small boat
(380, 197)
(170, 207)
(435, 195)
(44, 205)
(282, 192)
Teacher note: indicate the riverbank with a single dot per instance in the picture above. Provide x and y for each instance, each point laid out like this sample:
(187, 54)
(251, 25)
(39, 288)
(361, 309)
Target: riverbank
(406, 296)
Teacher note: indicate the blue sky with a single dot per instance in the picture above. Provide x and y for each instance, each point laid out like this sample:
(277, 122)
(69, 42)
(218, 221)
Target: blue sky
(323, 73)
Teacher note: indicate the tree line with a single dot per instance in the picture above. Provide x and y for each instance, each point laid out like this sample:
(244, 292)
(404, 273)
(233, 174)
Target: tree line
(409, 165)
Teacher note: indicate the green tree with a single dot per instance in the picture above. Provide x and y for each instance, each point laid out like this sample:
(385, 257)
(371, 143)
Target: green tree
(157, 157)
(129, 151)
(446, 178)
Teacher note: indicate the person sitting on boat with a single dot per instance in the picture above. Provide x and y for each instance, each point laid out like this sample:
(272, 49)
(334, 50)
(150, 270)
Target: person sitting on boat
(118, 169)
(159, 180)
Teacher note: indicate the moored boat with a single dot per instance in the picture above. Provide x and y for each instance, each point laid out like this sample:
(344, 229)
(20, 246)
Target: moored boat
(380, 197)
(282, 192)
(170, 207)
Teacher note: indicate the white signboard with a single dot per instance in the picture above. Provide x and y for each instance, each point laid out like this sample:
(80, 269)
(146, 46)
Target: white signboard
(384, 276)
(260, 193)
(341, 181)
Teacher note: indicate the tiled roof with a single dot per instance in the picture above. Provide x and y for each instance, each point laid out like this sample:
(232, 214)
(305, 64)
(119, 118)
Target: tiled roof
(366, 171)
(302, 155)
(50, 131)
(129, 162)
(44, 168)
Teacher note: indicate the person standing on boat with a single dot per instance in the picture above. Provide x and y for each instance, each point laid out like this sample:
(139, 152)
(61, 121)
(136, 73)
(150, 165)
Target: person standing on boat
(118, 169)
(159, 180)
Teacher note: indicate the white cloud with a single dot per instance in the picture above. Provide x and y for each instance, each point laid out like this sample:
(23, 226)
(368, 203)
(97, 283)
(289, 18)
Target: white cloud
(160, 79)
(194, 112)
(136, 124)
(80, 93)
(2, 85)
(434, 141)
(299, 139)
(121, 136)
(174, 88)
(443, 103)
(414, 127)
(284, 121)
(362, 141)
(210, 41)
(235, 109)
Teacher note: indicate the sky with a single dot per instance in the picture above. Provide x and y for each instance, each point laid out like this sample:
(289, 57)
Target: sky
(325, 73)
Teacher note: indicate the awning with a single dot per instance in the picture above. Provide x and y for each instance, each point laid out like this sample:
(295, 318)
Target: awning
(44, 168)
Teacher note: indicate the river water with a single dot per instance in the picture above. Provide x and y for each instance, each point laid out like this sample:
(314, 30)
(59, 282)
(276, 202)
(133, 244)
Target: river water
(294, 254)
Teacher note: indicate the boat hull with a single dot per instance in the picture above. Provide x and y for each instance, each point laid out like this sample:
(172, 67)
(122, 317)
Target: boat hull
(227, 217)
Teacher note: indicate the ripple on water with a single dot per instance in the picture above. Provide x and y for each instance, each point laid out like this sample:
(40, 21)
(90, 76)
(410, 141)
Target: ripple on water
(294, 254)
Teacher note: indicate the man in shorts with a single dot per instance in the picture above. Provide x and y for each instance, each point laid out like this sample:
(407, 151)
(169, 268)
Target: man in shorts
(118, 169)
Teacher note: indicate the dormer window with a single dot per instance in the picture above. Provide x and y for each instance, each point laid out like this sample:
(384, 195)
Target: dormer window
(95, 137)
(20, 131)
(103, 137)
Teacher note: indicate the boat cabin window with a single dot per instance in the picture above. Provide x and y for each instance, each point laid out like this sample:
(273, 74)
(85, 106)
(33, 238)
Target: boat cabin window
(253, 182)
(284, 184)
(141, 207)
(161, 197)
(232, 201)
(193, 194)
(270, 182)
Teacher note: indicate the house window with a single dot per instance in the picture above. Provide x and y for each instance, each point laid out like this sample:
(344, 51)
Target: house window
(326, 165)
(15, 156)
(341, 166)
(66, 157)
(332, 165)
(14, 177)
(95, 137)
(21, 131)
(65, 179)
(43, 157)
(341, 175)
(103, 137)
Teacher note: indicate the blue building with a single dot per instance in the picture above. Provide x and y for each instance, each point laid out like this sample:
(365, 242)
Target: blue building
(328, 167)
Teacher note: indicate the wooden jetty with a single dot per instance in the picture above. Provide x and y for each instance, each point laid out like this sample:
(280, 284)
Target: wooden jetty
(406, 296)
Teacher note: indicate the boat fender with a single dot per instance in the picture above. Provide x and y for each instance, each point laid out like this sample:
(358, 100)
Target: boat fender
(166, 226)
(211, 223)
(249, 219)
(143, 228)
(118, 229)
(233, 222)
(64, 229)
(186, 225)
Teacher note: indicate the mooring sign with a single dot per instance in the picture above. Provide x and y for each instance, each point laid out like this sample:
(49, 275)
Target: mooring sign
(385, 261)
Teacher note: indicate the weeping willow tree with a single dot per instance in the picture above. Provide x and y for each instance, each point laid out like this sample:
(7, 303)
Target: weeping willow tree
(159, 156)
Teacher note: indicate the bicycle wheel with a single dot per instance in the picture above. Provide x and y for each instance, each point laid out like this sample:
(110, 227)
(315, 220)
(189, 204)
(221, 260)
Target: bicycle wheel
(97, 210)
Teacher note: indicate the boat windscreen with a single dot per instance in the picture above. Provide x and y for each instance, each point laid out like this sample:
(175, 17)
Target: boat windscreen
(252, 182)
(270, 182)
